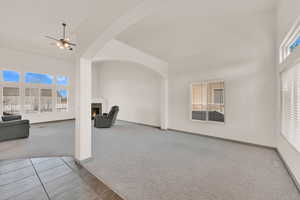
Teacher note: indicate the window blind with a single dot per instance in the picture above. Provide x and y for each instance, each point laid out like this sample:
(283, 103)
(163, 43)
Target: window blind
(290, 105)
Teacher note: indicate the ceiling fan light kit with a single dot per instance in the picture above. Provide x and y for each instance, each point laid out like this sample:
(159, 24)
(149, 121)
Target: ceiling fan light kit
(63, 43)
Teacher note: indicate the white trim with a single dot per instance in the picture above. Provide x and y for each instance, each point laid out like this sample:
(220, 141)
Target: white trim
(22, 86)
(281, 107)
(292, 35)
(24, 95)
(56, 99)
(213, 97)
(19, 111)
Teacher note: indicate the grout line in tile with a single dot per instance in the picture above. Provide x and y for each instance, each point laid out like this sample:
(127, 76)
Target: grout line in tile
(40, 181)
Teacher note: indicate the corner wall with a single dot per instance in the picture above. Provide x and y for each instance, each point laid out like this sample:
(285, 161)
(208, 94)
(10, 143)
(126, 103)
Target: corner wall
(27, 62)
(287, 13)
(244, 58)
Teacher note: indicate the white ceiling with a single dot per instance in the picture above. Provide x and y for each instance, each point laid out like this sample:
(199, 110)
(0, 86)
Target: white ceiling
(24, 23)
(196, 27)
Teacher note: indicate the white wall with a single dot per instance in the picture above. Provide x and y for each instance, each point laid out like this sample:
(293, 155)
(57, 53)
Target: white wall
(135, 88)
(27, 62)
(288, 11)
(239, 51)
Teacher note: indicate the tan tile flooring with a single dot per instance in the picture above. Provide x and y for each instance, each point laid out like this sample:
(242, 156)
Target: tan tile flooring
(51, 178)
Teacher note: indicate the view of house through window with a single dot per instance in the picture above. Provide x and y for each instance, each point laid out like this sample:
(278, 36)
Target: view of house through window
(11, 100)
(31, 103)
(208, 101)
(62, 100)
(40, 92)
(46, 100)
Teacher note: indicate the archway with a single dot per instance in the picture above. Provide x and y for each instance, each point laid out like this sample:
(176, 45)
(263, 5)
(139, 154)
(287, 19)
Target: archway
(135, 88)
(83, 77)
(118, 51)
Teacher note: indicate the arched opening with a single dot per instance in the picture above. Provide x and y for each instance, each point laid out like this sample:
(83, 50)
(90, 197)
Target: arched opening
(135, 88)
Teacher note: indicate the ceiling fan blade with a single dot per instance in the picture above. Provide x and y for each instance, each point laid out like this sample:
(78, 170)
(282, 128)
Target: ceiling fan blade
(72, 44)
(52, 38)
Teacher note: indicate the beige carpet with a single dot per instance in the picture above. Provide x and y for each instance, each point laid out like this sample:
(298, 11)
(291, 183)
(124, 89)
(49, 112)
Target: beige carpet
(144, 163)
(47, 139)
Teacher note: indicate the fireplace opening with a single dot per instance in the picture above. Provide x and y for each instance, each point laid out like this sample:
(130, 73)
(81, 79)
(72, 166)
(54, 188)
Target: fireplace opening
(96, 109)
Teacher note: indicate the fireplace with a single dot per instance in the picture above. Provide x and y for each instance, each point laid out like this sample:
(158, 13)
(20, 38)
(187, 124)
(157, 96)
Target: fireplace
(96, 109)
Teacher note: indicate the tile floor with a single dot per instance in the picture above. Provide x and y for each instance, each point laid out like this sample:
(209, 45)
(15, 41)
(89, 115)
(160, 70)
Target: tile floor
(50, 178)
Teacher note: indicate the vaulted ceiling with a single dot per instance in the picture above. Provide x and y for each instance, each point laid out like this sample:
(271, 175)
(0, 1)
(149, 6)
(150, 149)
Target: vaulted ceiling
(201, 27)
(25, 23)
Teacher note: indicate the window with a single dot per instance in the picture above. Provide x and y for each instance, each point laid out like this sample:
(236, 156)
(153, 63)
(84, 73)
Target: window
(37, 93)
(11, 76)
(62, 80)
(218, 96)
(62, 93)
(208, 101)
(11, 100)
(199, 101)
(38, 78)
(295, 44)
(62, 100)
(290, 42)
(31, 101)
(46, 100)
(290, 105)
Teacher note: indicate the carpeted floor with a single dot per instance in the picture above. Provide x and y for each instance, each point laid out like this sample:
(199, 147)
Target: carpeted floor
(144, 163)
(47, 139)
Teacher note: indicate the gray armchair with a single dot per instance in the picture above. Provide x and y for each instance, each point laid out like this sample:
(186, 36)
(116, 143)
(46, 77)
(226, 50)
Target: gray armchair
(107, 120)
(14, 129)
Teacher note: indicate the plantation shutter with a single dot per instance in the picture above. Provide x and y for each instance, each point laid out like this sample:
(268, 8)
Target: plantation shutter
(290, 106)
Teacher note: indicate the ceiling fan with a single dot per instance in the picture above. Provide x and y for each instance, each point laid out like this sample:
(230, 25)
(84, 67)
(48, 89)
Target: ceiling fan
(63, 43)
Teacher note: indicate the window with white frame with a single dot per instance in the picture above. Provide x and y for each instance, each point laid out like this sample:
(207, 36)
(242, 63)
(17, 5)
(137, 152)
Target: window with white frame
(291, 42)
(62, 80)
(295, 44)
(62, 93)
(11, 103)
(11, 100)
(208, 101)
(62, 100)
(31, 100)
(37, 93)
(46, 100)
(10, 76)
(218, 96)
(290, 105)
(35, 78)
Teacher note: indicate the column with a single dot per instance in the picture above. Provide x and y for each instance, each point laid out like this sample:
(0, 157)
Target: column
(83, 130)
(164, 104)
